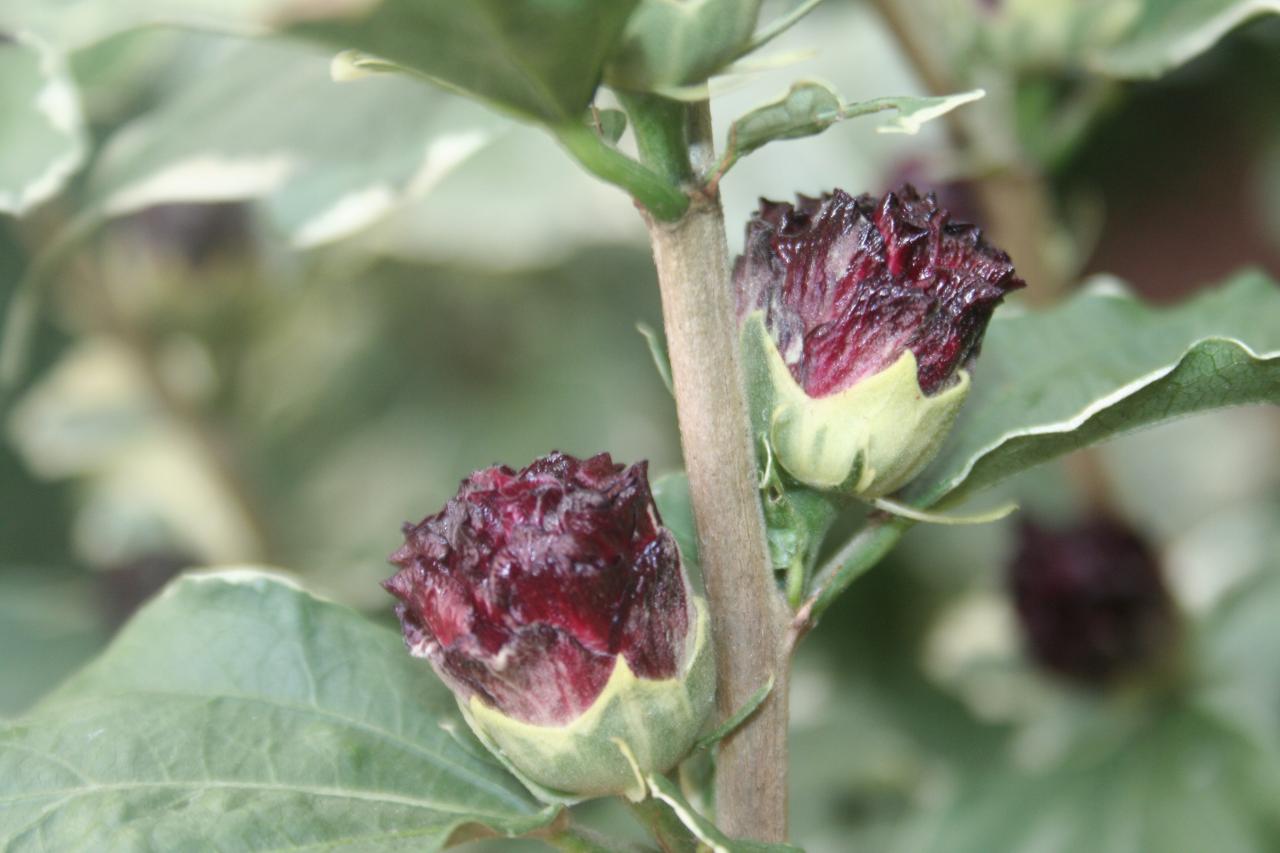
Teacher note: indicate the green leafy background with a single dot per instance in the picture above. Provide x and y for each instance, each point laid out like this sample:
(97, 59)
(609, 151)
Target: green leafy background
(236, 710)
(234, 383)
(1104, 364)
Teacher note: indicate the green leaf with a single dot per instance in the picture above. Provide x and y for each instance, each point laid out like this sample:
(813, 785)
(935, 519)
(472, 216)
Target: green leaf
(809, 108)
(796, 523)
(69, 25)
(339, 158)
(610, 124)
(669, 43)
(540, 59)
(658, 352)
(1102, 364)
(1168, 33)
(675, 505)
(704, 830)
(1183, 770)
(781, 24)
(41, 129)
(50, 623)
(1181, 781)
(1235, 646)
(737, 718)
(238, 712)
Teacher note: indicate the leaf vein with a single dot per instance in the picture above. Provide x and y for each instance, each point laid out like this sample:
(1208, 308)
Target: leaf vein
(438, 758)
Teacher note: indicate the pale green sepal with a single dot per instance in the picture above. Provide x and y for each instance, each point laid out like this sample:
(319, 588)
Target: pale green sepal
(640, 790)
(868, 440)
(902, 510)
(550, 796)
(351, 65)
(659, 720)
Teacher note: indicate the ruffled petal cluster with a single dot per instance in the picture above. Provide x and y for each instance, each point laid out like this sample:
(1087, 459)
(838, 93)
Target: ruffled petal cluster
(848, 283)
(528, 586)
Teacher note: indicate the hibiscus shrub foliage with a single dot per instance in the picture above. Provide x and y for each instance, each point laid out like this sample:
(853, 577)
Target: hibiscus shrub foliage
(861, 543)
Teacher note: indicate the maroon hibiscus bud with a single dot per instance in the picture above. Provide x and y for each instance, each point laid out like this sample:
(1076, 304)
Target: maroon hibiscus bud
(537, 595)
(849, 284)
(1091, 600)
(867, 306)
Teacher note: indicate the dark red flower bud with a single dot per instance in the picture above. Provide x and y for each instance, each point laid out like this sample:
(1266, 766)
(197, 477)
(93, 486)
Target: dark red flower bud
(536, 593)
(1091, 600)
(858, 319)
(848, 284)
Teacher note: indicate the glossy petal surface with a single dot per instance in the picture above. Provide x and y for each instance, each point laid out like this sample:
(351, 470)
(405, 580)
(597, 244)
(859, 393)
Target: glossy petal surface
(526, 587)
(849, 283)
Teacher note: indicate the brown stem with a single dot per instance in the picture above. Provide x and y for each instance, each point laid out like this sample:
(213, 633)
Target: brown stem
(749, 619)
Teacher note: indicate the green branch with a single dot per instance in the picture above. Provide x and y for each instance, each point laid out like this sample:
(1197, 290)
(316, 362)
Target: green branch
(863, 551)
(661, 129)
(662, 198)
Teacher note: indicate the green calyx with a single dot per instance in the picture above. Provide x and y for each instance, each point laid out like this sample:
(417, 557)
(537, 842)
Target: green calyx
(658, 720)
(867, 441)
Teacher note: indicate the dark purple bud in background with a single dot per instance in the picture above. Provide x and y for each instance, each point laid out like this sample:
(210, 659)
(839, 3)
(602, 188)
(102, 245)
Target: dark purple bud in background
(858, 319)
(1091, 601)
(195, 233)
(542, 594)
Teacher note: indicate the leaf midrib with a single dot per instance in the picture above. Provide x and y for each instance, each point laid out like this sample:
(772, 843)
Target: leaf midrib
(68, 794)
(463, 773)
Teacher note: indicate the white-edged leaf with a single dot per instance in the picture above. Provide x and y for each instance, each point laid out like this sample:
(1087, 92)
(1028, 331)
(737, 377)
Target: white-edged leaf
(911, 113)
(540, 59)
(238, 712)
(1102, 364)
(663, 789)
(328, 158)
(673, 43)
(42, 133)
(809, 108)
(69, 25)
(1168, 33)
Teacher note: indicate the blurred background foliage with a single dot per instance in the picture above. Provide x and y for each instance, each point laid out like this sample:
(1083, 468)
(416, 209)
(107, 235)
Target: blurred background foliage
(280, 362)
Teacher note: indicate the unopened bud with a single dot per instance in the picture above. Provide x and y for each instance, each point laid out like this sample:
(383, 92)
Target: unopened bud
(858, 318)
(555, 605)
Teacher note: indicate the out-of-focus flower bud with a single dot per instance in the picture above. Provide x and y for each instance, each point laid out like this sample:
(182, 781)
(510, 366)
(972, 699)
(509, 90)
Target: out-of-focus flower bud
(195, 233)
(858, 319)
(1091, 601)
(555, 605)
